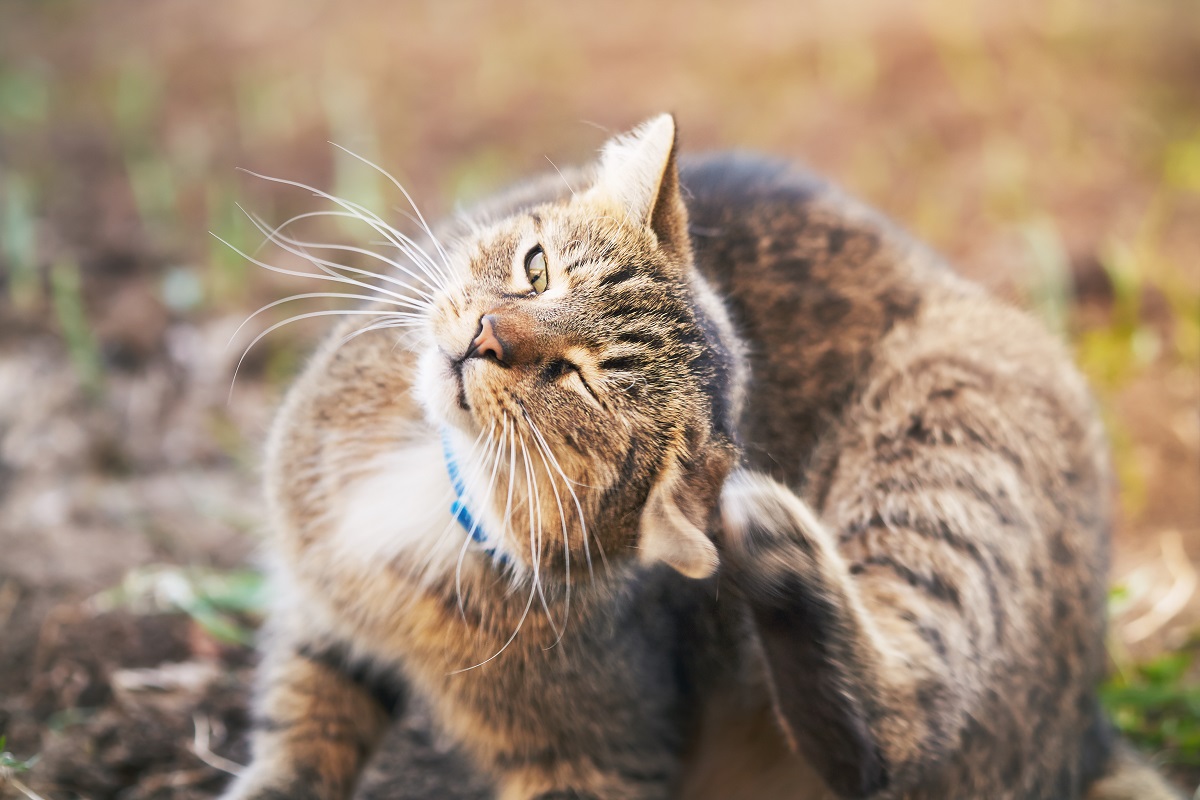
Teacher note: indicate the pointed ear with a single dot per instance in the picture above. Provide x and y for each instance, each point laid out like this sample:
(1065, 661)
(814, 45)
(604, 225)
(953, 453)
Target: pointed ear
(669, 536)
(638, 172)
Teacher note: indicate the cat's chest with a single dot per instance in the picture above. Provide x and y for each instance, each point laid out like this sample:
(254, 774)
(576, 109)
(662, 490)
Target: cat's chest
(398, 572)
(393, 516)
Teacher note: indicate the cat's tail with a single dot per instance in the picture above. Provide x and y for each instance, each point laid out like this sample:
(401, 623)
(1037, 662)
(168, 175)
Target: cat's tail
(1130, 777)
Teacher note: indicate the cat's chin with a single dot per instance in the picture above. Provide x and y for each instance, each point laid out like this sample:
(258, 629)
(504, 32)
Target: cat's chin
(437, 389)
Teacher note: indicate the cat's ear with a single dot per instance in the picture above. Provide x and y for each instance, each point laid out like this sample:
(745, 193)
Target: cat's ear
(668, 533)
(638, 172)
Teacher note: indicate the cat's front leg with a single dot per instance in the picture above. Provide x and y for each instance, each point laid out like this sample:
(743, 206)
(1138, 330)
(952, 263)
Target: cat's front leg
(319, 716)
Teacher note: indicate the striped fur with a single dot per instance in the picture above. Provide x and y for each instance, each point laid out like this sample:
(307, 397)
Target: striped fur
(776, 506)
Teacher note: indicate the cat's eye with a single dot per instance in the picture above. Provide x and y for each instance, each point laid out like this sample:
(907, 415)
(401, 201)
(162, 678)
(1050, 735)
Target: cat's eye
(535, 269)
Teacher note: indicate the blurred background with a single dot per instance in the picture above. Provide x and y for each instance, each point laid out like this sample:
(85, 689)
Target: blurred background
(1049, 148)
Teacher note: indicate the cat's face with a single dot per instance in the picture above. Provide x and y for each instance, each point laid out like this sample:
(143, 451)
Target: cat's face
(579, 369)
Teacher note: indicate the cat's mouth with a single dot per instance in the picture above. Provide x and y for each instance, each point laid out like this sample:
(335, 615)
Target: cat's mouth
(460, 385)
(483, 349)
(442, 388)
(458, 368)
(472, 387)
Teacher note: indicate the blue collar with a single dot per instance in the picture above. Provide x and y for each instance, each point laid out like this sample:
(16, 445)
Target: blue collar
(458, 508)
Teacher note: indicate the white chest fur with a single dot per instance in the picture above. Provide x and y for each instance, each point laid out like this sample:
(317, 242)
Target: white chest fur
(395, 514)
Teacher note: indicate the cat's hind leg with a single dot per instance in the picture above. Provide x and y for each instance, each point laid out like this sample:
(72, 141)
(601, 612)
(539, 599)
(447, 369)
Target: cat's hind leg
(814, 639)
(887, 667)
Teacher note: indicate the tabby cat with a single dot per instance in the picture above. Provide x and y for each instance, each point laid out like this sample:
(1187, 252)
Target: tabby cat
(695, 482)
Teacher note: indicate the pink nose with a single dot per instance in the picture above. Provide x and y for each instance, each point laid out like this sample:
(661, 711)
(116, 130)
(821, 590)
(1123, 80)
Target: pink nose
(486, 342)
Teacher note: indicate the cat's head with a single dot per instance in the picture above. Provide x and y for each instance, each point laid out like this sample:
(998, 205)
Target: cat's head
(583, 370)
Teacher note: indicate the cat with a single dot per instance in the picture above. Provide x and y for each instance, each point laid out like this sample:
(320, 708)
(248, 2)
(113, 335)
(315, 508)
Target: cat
(690, 478)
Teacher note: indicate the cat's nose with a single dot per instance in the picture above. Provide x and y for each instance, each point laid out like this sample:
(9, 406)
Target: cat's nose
(486, 342)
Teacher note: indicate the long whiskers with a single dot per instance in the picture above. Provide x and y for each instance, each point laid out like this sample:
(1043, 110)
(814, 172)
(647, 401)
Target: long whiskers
(512, 466)
(494, 457)
(566, 540)
(276, 236)
(336, 270)
(333, 295)
(411, 299)
(370, 218)
(405, 243)
(564, 177)
(336, 278)
(297, 318)
(535, 551)
(453, 492)
(407, 196)
(392, 320)
(574, 497)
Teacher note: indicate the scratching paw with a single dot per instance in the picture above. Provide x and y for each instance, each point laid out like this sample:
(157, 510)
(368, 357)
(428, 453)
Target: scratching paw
(754, 511)
(768, 533)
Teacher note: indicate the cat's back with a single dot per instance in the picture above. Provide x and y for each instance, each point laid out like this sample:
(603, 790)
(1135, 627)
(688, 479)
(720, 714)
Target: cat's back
(830, 296)
(943, 436)
(813, 282)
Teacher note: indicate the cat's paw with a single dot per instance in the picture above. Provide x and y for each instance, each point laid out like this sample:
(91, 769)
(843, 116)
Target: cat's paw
(755, 511)
(767, 532)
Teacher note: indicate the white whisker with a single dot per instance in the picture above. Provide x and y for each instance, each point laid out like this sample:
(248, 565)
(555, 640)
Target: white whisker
(407, 196)
(326, 277)
(433, 275)
(566, 539)
(533, 589)
(297, 318)
(408, 215)
(575, 498)
(309, 295)
(425, 279)
(379, 326)
(494, 456)
(511, 639)
(535, 509)
(453, 493)
(333, 268)
(366, 215)
(564, 177)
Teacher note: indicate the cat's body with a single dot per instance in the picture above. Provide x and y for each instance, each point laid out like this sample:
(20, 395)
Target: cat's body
(932, 628)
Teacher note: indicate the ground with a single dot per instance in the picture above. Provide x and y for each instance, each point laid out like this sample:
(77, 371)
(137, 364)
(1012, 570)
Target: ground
(1050, 149)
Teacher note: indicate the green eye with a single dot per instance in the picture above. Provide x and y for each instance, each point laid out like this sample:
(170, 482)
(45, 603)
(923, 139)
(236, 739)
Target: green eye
(535, 269)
